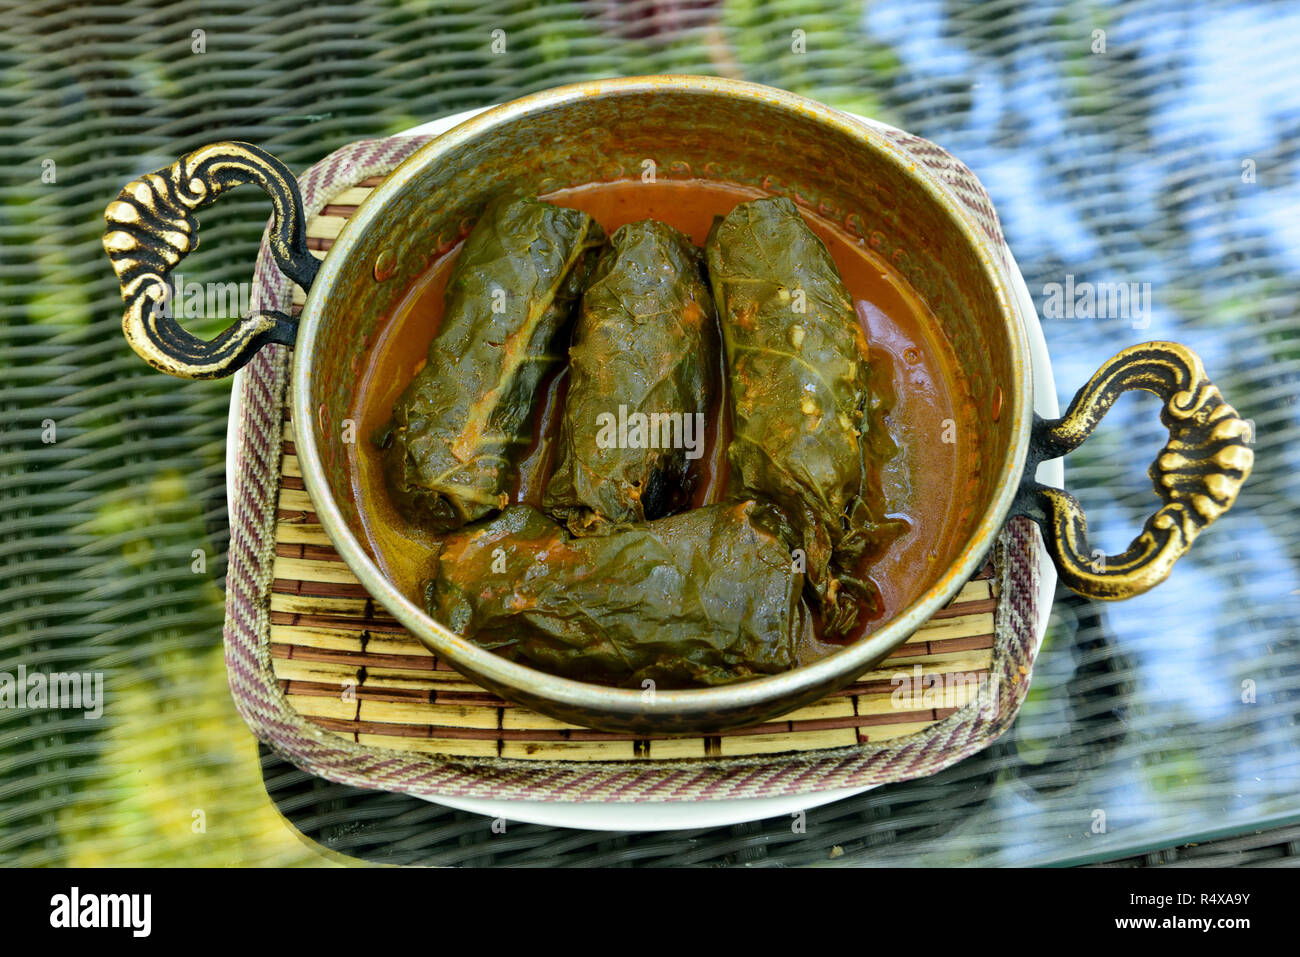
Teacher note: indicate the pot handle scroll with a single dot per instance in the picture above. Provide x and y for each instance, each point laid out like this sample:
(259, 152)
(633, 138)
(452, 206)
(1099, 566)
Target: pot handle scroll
(152, 226)
(1196, 475)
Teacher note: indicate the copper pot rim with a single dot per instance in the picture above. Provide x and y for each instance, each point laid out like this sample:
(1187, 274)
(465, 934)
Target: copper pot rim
(753, 693)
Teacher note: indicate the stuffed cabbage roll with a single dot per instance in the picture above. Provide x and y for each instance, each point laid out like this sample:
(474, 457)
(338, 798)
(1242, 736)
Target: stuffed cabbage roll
(705, 597)
(460, 427)
(799, 395)
(642, 372)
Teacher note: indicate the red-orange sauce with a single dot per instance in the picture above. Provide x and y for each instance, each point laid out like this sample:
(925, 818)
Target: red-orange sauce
(906, 346)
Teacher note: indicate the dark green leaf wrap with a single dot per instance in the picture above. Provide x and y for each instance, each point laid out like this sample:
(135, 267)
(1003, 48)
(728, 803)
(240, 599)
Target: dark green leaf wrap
(705, 597)
(462, 424)
(643, 362)
(799, 395)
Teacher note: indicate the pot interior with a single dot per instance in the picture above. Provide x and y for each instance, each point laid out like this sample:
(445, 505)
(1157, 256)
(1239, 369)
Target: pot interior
(840, 171)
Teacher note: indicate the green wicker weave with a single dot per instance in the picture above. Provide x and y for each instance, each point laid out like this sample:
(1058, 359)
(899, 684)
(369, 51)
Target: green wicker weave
(1125, 165)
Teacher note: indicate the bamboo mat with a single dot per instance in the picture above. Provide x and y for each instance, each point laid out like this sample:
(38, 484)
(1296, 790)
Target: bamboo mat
(350, 668)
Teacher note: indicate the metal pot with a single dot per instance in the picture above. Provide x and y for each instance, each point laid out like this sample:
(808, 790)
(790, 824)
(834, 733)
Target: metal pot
(713, 129)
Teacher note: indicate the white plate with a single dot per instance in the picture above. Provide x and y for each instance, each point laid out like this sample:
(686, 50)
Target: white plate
(680, 815)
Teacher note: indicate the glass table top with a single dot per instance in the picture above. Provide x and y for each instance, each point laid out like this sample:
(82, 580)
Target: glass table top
(1160, 155)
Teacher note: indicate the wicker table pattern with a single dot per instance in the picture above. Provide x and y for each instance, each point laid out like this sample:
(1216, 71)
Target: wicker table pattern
(1169, 158)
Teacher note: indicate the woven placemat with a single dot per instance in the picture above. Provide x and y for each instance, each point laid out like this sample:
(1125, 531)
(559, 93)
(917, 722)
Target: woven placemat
(331, 681)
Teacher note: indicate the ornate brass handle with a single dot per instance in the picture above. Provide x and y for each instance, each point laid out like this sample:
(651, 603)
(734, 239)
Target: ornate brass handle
(1196, 475)
(152, 226)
